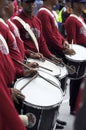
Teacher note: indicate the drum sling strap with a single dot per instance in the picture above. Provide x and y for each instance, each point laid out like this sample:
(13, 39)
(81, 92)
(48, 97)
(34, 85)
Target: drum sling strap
(51, 14)
(15, 27)
(2, 38)
(79, 19)
(28, 29)
(4, 42)
(15, 46)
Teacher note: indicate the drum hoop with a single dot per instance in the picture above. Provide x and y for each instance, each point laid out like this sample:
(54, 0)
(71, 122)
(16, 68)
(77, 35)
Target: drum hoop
(63, 77)
(57, 78)
(75, 60)
(57, 75)
(43, 107)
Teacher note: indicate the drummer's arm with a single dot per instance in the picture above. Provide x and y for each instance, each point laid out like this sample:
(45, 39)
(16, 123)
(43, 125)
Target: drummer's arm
(70, 27)
(43, 45)
(44, 48)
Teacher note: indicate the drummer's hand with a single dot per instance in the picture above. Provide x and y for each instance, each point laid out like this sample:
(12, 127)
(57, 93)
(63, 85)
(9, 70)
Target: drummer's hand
(16, 94)
(29, 73)
(69, 51)
(66, 45)
(38, 56)
(32, 65)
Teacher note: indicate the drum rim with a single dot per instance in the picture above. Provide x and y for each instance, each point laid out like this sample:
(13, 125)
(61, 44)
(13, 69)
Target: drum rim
(43, 70)
(43, 107)
(39, 106)
(60, 78)
(75, 60)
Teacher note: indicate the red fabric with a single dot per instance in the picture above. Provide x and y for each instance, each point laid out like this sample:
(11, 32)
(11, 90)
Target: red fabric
(53, 38)
(8, 67)
(9, 119)
(75, 31)
(13, 48)
(36, 27)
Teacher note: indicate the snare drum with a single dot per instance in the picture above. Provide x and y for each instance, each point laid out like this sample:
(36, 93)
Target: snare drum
(77, 62)
(55, 70)
(42, 100)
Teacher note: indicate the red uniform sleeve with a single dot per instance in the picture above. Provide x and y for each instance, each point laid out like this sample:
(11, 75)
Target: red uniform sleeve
(42, 44)
(15, 54)
(70, 27)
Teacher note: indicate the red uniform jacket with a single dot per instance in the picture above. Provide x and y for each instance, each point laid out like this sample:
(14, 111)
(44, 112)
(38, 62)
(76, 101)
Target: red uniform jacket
(36, 27)
(52, 36)
(9, 119)
(75, 30)
(13, 48)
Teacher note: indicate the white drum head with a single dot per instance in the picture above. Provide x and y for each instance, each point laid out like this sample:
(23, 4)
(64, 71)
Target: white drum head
(80, 53)
(49, 65)
(40, 92)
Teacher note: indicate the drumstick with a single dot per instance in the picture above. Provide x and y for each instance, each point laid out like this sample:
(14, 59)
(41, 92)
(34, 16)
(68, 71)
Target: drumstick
(68, 67)
(45, 68)
(29, 81)
(48, 80)
(21, 63)
(42, 67)
(35, 76)
(62, 63)
(44, 57)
